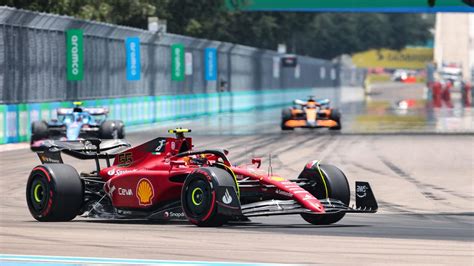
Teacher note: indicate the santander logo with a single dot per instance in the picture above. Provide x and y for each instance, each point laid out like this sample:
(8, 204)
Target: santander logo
(116, 172)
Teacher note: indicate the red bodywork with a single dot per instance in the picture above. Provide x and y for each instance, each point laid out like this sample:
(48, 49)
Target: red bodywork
(151, 174)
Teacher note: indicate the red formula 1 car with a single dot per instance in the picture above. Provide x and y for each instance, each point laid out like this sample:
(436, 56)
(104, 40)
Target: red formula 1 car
(165, 179)
(311, 114)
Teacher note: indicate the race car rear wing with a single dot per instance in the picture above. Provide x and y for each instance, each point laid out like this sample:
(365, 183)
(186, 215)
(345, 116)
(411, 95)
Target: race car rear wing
(86, 149)
(91, 111)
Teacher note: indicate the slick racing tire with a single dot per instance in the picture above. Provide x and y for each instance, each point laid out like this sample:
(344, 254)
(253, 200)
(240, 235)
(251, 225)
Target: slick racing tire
(120, 129)
(336, 116)
(54, 193)
(285, 116)
(112, 129)
(199, 196)
(328, 182)
(39, 130)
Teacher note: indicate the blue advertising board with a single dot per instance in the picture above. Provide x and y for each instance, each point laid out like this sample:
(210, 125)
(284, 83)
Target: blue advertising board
(210, 63)
(132, 47)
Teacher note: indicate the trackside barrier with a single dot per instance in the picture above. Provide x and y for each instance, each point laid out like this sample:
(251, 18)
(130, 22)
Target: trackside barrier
(15, 120)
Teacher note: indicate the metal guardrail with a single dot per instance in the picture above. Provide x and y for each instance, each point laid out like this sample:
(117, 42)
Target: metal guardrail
(33, 63)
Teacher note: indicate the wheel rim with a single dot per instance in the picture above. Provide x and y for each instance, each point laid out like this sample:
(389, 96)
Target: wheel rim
(198, 198)
(39, 193)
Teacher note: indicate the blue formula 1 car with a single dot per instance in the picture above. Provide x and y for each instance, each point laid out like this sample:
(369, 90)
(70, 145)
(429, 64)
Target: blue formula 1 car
(76, 123)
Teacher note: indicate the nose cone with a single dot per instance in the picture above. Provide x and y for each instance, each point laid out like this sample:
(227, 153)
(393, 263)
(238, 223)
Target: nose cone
(72, 131)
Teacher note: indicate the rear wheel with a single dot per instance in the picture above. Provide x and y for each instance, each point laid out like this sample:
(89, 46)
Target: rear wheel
(285, 116)
(54, 192)
(120, 129)
(39, 130)
(336, 116)
(198, 196)
(109, 130)
(328, 181)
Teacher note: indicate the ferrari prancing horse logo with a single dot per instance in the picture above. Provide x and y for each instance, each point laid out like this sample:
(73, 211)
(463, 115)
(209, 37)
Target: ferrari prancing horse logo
(145, 192)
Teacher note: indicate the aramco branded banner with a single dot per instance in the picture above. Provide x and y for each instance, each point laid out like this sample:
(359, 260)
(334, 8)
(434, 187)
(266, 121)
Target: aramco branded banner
(177, 62)
(210, 63)
(409, 58)
(132, 48)
(75, 54)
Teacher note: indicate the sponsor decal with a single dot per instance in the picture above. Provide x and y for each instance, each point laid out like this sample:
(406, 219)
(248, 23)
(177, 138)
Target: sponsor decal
(173, 214)
(284, 193)
(132, 47)
(161, 145)
(74, 57)
(125, 159)
(116, 172)
(277, 178)
(125, 191)
(308, 197)
(210, 63)
(361, 191)
(177, 62)
(46, 159)
(300, 191)
(227, 198)
(145, 192)
(109, 190)
(173, 145)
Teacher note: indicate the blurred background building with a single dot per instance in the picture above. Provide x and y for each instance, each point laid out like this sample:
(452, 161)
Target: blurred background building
(454, 41)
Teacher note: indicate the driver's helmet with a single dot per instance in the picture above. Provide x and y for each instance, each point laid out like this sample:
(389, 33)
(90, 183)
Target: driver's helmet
(77, 107)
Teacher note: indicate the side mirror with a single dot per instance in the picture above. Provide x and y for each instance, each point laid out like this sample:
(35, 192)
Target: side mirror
(257, 161)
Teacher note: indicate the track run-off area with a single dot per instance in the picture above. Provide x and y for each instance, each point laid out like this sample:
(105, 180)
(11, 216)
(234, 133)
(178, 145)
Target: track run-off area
(422, 178)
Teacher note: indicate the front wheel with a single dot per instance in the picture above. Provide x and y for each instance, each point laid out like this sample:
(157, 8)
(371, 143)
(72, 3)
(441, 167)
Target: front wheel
(336, 116)
(54, 192)
(285, 116)
(326, 181)
(199, 196)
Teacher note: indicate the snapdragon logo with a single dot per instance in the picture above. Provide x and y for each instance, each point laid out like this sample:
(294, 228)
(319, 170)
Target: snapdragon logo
(74, 54)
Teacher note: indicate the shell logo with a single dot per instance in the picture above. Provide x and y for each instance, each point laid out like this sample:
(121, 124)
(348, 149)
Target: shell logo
(145, 192)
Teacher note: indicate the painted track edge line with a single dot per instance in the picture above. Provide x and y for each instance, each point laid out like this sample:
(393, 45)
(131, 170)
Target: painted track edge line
(97, 260)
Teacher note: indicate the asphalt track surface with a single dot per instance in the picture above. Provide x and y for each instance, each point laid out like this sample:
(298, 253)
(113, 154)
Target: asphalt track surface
(423, 183)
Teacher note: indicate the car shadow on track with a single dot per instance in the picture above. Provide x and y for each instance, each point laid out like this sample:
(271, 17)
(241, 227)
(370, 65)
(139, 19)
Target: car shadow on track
(230, 225)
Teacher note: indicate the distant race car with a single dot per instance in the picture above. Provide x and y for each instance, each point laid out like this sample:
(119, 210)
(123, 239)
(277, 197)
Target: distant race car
(166, 179)
(311, 114)
(76, 123)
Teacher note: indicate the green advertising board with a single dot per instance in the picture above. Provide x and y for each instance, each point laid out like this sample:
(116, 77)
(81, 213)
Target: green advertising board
(424, 6)
(75, 54)
(177, 62)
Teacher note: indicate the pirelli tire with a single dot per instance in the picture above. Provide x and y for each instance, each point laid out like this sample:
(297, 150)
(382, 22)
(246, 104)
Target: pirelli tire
(112, 129)
(328, 181)
(285, 116)
(336, 116)
(39, 130)
(199, 196)
(54, 193)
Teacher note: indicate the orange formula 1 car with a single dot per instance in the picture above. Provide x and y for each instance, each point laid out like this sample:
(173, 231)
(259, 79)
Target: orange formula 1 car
(310, 114)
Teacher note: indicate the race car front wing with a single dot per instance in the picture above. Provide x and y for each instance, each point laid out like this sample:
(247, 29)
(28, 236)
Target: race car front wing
(365, 203)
